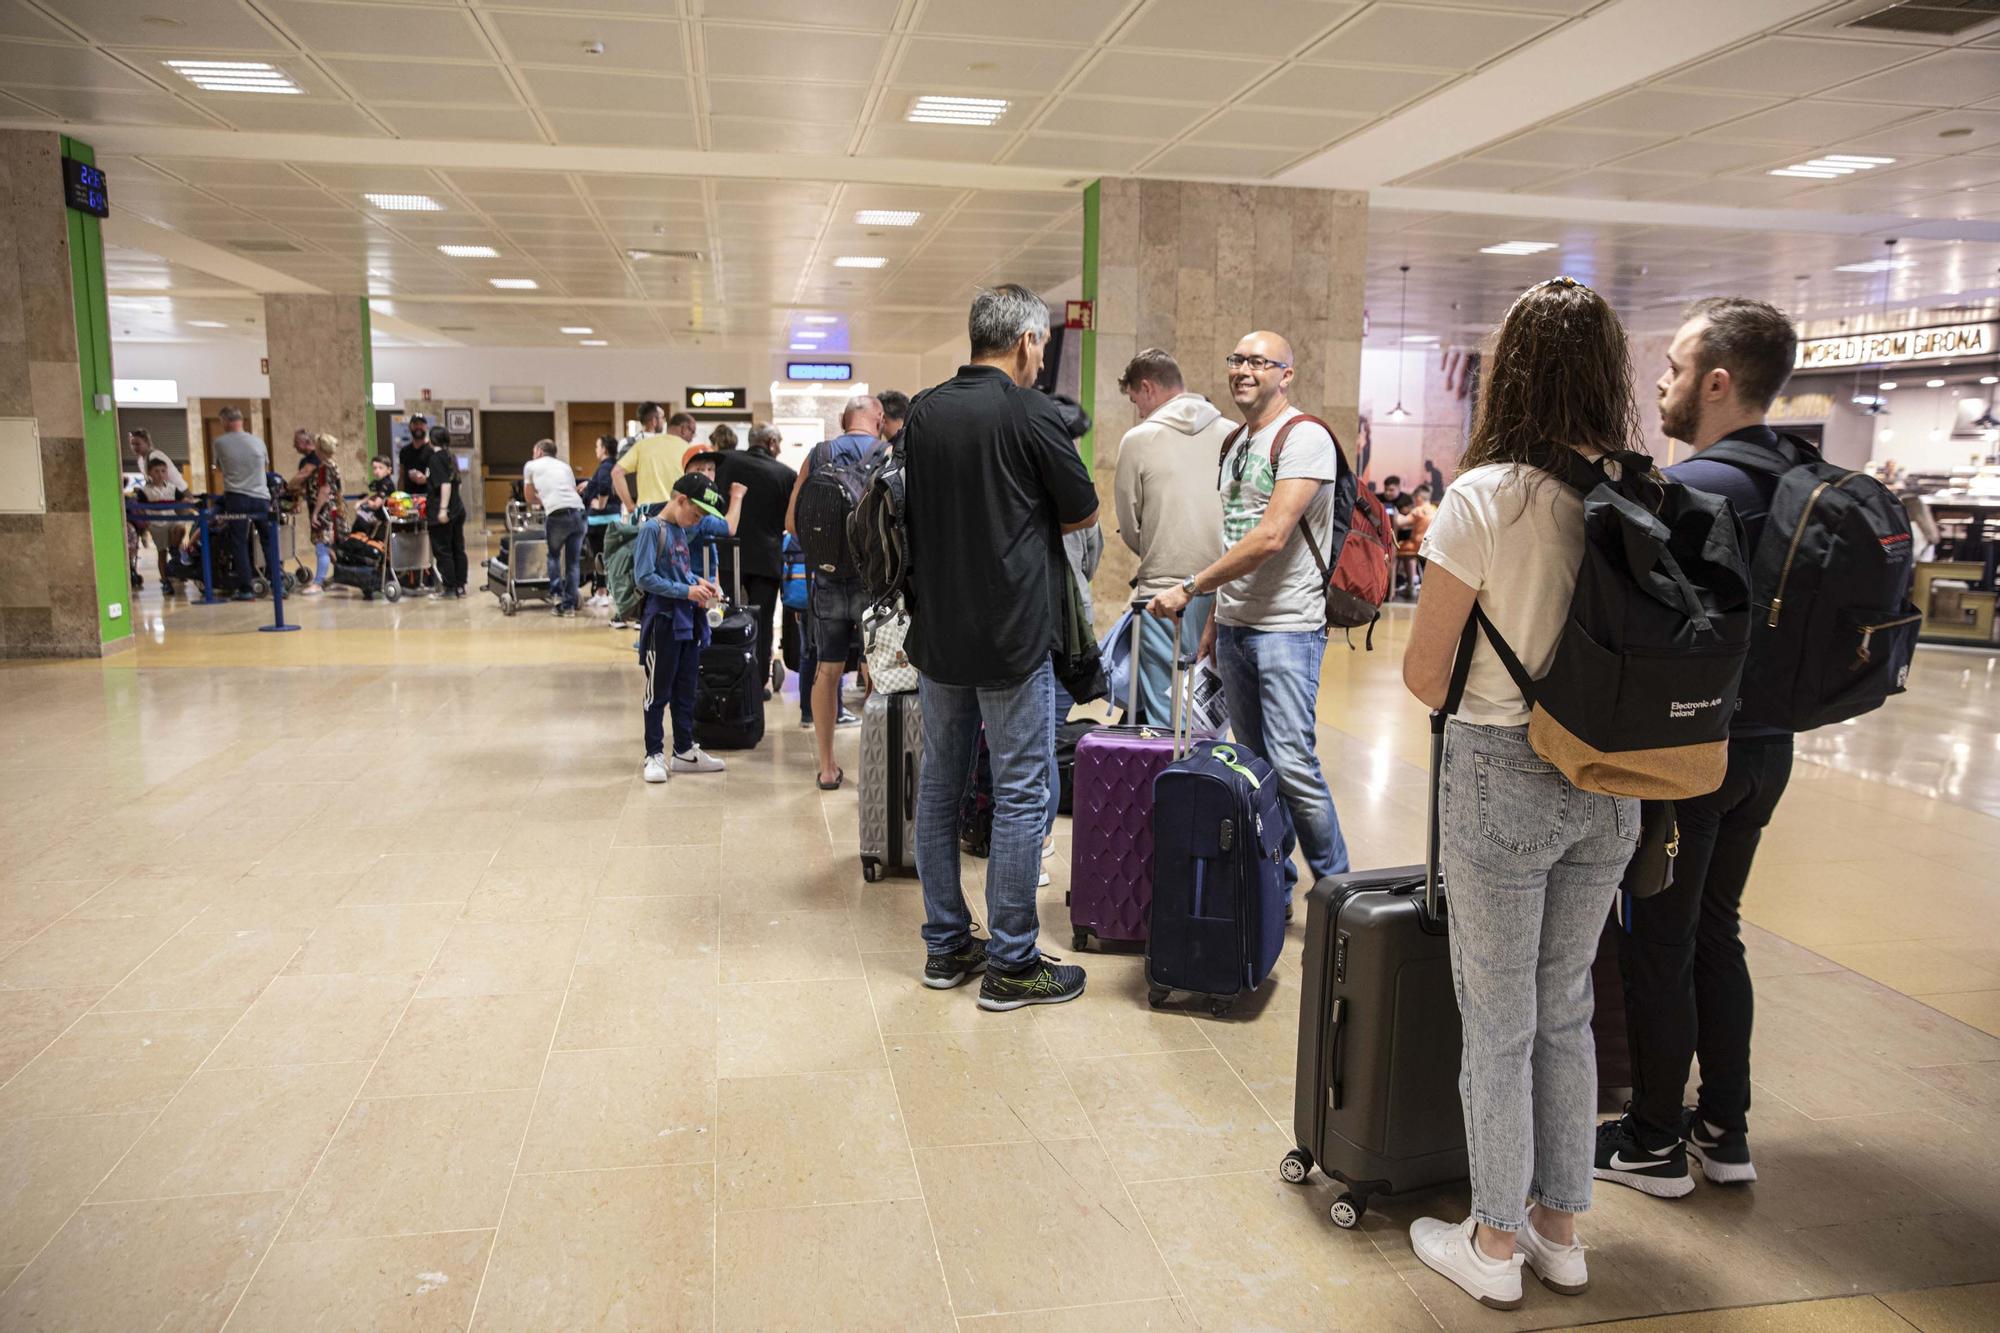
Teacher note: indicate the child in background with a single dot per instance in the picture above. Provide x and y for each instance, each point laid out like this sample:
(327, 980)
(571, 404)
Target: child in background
(673, 627)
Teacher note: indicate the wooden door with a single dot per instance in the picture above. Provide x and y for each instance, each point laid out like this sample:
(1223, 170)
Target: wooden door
(587, 421)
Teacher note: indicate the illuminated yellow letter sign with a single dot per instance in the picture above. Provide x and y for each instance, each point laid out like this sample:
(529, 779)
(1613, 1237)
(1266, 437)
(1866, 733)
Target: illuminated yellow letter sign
(1863, 349)
(716, 399)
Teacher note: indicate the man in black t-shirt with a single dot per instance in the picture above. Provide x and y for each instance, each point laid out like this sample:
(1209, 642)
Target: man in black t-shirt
(993, 483)
(412, 457)
(760, 536)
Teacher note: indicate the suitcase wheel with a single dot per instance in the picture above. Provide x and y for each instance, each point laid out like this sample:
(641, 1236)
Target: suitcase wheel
(1157, 995)
(871, 871)
(1298, 1164)
(1348, 1210)
(1219, 1007)
(1079, 939)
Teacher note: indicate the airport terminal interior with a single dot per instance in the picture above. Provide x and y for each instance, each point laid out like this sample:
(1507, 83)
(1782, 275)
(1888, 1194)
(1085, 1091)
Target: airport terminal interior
(354, 975)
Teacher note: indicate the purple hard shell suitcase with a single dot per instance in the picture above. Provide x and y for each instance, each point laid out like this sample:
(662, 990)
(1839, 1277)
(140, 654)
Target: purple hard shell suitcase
(1111, 852)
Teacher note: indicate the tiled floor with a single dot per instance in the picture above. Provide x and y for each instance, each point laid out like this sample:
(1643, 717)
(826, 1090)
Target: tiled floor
(351, 979)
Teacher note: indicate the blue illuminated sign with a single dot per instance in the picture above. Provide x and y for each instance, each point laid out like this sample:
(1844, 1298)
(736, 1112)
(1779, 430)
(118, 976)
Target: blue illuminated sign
(85, 188)
(819, 370)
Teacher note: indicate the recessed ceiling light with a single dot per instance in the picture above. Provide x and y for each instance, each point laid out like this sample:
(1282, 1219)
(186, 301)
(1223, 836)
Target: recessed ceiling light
(515, 284)
(804, 347)
(859, 261)
(930, 110)
(1872, 266)
(1989, 379)
(470, 251)
(810, 333)
(405, 203)
(1933, 384)
(578, 328)
(593, 342)
(235, 76)
(206, 324)
(820, 319)
(887, 217)
(1886, 384)
(1517, 248)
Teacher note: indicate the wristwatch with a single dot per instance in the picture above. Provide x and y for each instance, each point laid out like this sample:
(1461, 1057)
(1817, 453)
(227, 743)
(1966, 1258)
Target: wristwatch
(1187, 586)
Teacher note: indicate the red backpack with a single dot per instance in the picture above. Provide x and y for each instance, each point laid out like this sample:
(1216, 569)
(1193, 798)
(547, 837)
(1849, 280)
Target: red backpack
(1357, 583)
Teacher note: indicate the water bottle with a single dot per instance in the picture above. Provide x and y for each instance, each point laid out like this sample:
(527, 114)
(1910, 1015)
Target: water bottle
(714, 615)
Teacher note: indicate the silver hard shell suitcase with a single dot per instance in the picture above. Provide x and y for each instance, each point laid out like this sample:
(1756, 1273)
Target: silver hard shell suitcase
(892, 743)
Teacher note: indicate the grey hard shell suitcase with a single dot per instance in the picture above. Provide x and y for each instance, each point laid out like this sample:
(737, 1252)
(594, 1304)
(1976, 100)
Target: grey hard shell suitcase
(892, 742)
(1376, 1104)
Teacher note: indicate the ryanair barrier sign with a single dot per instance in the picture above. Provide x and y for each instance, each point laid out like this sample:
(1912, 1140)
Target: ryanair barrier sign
(1864, 349)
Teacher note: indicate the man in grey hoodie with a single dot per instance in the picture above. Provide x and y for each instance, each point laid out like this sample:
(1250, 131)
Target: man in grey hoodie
(1168, 510)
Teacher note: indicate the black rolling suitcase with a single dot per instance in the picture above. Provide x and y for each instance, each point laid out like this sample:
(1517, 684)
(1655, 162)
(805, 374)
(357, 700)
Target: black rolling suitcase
(729, 700)
(1377, 1105)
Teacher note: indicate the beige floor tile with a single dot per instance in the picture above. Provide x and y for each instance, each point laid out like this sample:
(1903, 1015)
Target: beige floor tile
(1915, 966)
(411, 1284)
(25, 908)
(162, 1264)
(904, 1005)
(690, 872)
(787, 946)
(31, 1019)
(87, 953)
(1112, 1017)
(604, 1249)
(996, 1086)
(219, 971)
(796, 1027)
(416, 877)
(649, 930)
(317, 1020)
(530, 893)
(1178, 1113)
(1246, 1242)
(48, 1167)
(1852, 1314)
(1910, 1251)
(810, 1139)
(115, 1062)
(1033, 1226)
(1122, 1317)
(771, 1269)
(1948, 1309)
(503, 958)
(375, 940)
(1974, 1085)
(235, 1131)
(1979, 1008)
(680, 824)
(886, 917)
(279, 900)
(629, 1106)
(471, 1043)
(143, 894)
(638, 1004)
(415, 1164)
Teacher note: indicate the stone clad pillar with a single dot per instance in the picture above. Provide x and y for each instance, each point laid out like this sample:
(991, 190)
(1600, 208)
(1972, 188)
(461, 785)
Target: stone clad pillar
(63, 582)
(320, 359)
(1191, 267)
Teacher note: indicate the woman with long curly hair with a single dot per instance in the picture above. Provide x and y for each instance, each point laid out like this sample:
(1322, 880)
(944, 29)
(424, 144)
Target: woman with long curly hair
(1530, 861)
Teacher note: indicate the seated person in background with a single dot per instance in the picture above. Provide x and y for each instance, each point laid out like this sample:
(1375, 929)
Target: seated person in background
(674, 627)
(161, 487)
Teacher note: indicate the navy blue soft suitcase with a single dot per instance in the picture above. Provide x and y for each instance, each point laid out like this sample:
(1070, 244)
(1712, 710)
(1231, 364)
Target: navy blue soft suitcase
(1221, 834)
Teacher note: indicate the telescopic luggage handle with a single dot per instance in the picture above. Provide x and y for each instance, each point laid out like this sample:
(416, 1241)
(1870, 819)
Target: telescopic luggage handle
(1180, 710)
(713, 566)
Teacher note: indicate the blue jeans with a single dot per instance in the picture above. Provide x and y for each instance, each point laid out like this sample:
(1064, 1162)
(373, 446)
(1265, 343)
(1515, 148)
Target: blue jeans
(258, 512)
(322, 563)
(1155, 663)
(1530, 867)
(1018, 736)
(565, 540)
(671, 683)
(1270, 679)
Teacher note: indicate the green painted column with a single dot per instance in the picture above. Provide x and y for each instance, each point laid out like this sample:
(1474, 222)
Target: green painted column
(103, 465)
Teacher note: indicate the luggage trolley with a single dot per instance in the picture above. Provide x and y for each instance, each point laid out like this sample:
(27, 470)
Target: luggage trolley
(410, 548)
(523, 569)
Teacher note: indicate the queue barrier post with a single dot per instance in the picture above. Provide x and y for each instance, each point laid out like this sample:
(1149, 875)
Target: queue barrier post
(276, 577)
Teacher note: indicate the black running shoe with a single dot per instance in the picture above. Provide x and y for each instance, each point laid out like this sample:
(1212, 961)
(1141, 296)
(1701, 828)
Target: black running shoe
(1040, 983)
(942, 971)
(1724, 1154)
(1623, 1160)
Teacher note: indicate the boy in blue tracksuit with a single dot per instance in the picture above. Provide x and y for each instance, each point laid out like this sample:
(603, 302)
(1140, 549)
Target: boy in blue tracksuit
(673, 627)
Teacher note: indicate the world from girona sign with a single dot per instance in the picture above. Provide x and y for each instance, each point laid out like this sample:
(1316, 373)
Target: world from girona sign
(1865, 349)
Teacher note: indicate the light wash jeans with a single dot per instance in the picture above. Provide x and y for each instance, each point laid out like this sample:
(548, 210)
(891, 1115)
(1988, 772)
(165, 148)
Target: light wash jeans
(322, 562)
(1019, 736)
(1530, 866)
(1270, 680)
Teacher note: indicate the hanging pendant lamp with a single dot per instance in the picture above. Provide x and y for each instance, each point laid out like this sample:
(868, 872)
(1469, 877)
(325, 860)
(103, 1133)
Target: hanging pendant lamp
(1399, 412)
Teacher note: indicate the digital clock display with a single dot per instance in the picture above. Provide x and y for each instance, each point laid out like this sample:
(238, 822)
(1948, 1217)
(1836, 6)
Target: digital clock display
(85, 189)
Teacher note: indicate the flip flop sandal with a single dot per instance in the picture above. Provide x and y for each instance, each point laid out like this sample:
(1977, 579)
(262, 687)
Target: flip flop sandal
(839, 775)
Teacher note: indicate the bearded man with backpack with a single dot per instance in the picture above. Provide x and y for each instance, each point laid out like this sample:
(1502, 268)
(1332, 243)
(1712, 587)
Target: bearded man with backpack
(1831, 636)
(1288, 501)
(831, 480)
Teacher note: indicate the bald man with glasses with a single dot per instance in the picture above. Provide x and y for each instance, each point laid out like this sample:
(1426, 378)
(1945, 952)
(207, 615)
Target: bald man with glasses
(1287, 501)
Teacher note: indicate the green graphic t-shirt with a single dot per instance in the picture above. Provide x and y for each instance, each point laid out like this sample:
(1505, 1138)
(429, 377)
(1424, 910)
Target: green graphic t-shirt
(1285, 593)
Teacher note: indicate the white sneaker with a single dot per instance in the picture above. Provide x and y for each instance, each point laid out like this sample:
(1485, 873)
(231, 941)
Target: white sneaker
(1449, 1250)
(1048, 849)
(698, 760)
(312, 590)
(655, 769)
(1043, 883)
(1560, 1267)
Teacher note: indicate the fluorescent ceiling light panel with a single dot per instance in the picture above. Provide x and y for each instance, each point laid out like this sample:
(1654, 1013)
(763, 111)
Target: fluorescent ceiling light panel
(887, 217)
(1420, 337)
(1872, 266)
(578, 328)
(979, 111)
(804, 347)
(859, 261)
(1886, 384)
(404, 203)
(515, 284)
(1832, 167)
(206, 324)
(593, 342)
(470, 251)
(1857, 159)
(1933, 384)
(236, 76)
(1517, 248)
(820, 319)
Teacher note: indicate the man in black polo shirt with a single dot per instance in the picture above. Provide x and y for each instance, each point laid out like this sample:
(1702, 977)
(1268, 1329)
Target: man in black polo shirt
(993, 484)
(761, 535)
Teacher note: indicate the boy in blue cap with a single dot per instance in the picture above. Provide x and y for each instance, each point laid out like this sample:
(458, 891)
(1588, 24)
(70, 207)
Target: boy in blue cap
(673, 628)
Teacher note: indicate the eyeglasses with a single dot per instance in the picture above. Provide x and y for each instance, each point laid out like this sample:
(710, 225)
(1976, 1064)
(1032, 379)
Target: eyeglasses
(1259, 364)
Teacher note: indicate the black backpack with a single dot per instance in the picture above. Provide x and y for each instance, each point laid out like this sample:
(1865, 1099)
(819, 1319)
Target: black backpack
(1638, 698)
(876, 535)
(827, 499)
(1834, 628)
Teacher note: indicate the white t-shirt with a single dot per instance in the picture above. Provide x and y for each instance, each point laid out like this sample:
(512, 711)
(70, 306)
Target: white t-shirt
(1515, 533)
(554, 483)
(1286, 592)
